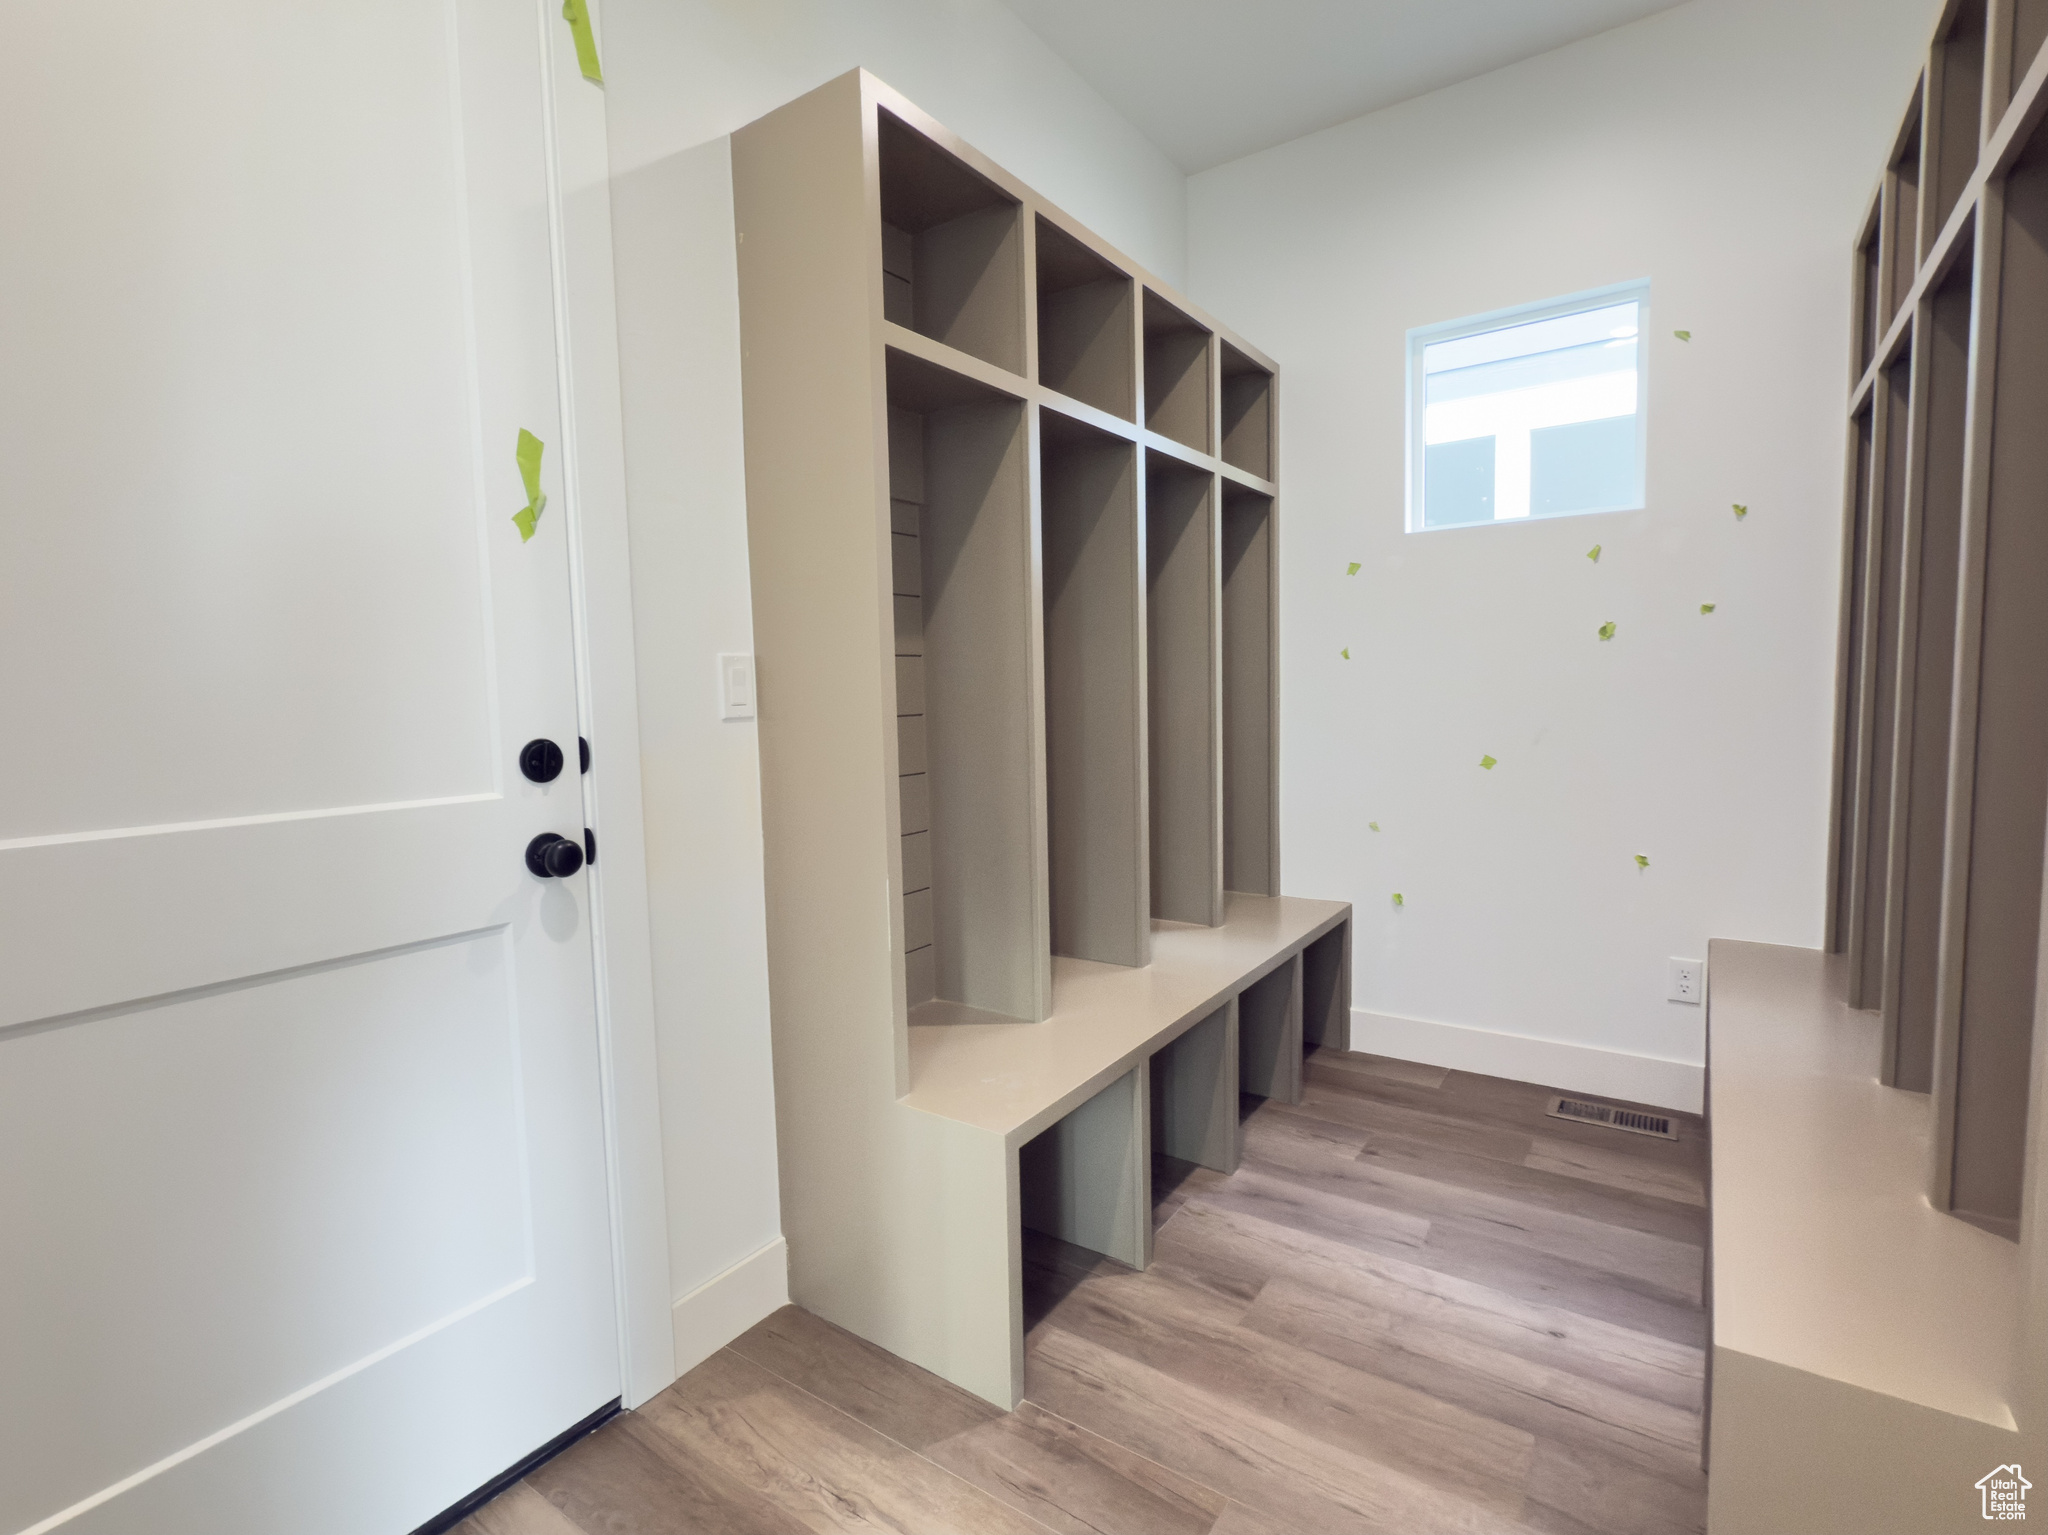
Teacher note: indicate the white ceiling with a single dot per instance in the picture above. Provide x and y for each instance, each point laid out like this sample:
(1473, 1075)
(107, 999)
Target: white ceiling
(1210, 80)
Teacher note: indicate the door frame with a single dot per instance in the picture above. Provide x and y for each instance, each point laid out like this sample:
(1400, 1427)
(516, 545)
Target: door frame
(607, 699)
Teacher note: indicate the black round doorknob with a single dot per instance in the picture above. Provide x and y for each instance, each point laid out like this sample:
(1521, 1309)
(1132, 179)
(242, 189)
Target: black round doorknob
(553, 857)
(541, 760)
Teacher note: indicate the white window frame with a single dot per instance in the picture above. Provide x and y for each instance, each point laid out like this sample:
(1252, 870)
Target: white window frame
(1500, 319)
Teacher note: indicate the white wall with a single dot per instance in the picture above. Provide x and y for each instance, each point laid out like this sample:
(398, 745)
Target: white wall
(1725, 150)
(680, 75)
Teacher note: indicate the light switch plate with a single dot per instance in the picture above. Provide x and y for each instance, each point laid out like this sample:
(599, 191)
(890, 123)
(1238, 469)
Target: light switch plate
(736, 687)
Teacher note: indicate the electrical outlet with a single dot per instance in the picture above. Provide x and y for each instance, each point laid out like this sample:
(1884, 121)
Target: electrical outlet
(1688, 980)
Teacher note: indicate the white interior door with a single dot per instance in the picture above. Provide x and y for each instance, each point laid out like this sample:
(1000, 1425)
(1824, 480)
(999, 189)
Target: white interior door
(303, 1221)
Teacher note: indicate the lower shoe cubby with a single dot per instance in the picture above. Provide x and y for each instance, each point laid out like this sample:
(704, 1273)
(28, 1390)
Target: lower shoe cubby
(1269, 1033)
(1087, 1179)
(1195, 1093)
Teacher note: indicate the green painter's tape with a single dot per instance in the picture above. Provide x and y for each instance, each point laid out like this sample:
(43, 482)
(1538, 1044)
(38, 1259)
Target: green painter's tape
(1593, 554)
(1489, 763)
(1707, 607)
(1397, 899)
(1642, 862)
(529, 452)
(1345, 652)
(578, 16)
(1374, 825)
(1353, 570)
(1683, 335)
(1607, 630)
(1741, 511)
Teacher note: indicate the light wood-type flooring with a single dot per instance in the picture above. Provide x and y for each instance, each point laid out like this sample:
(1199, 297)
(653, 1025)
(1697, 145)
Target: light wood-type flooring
(1419, 1306)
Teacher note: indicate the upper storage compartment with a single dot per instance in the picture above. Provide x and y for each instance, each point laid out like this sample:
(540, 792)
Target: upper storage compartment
(1956, 112)
(1247, 414)
(952, 249)
(1903, 219)
(1087, 344)
(1176, 374)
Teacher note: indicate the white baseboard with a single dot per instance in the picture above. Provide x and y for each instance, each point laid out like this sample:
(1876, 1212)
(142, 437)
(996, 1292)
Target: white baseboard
(720, 1309)
(1546, 1062)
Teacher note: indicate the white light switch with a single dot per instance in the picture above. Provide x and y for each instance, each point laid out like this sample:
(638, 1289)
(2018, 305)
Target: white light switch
(736, 687)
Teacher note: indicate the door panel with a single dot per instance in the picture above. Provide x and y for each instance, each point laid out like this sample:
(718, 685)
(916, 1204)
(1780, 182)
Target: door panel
(301, 1149)
(384, 1119)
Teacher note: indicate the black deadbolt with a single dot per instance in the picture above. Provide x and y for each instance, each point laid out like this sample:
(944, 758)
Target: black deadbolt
(589, 845)
(583, 752)
(541, 760)
(553, 857)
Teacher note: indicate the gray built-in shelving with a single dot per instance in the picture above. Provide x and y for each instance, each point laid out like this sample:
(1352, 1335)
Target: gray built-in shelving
(1013, 522)
(1941, 793)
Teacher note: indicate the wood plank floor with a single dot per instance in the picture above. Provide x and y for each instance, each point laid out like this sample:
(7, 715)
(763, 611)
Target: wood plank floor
(1419, 1306)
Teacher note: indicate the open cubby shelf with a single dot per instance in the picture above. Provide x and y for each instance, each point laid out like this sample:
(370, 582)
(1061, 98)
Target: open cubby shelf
(1247, 413)
(1086, 344)
(1904, 235)
(1016, 645)
(1179, 353)
(952, 248)
(1942, 774)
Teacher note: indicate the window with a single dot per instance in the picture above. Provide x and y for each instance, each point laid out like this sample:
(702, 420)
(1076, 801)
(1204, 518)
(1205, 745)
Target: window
(1532, 412)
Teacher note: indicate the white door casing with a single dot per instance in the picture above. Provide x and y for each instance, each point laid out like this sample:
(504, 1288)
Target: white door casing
(303, 1220)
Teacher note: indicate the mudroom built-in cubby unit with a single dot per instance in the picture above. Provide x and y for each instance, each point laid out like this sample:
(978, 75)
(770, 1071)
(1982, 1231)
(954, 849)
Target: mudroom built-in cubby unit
(1006, 598)
(1873, 1109)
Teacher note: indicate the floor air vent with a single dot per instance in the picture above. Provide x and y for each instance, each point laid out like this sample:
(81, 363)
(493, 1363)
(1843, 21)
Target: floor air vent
(1587, 1112)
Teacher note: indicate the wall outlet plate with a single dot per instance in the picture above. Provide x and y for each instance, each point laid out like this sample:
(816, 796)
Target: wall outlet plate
(1688, 980)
